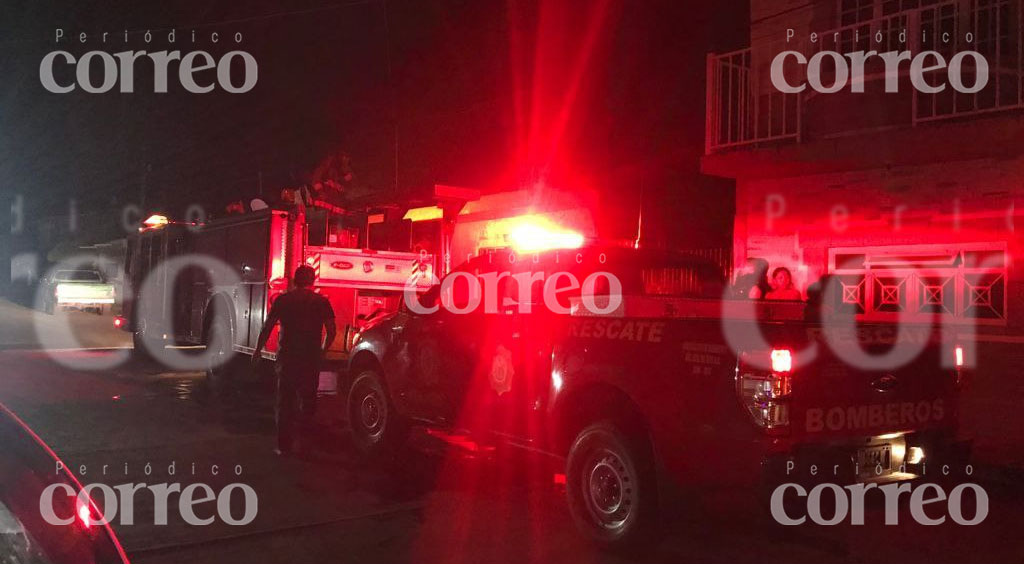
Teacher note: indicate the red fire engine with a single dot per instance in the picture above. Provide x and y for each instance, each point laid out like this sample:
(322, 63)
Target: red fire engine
(213, 283)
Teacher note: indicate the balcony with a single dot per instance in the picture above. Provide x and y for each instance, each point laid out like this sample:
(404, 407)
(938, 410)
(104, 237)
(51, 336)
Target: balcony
(745, 111)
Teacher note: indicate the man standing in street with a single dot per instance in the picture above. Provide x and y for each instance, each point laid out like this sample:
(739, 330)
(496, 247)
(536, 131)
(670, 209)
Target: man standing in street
(304, 315)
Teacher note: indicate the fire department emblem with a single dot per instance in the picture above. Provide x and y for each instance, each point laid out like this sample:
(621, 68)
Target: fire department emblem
(502, 370)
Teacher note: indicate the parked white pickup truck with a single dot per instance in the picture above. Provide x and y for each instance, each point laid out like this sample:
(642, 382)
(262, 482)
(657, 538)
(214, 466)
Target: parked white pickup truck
(77, 289)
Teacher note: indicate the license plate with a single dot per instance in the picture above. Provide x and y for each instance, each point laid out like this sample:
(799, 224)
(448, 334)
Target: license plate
(874, 461)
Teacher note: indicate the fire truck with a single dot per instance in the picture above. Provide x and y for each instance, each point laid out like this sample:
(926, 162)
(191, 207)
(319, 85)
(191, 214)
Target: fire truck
(673, 389)
(213, 283)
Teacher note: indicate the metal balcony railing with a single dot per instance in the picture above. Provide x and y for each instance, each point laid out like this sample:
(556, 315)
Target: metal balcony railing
(744, 108)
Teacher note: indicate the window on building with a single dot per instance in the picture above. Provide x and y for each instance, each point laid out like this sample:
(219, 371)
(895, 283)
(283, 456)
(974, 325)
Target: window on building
(965, 282)
(890, 7)
(855, 11)
(854, 37)
(858, 11)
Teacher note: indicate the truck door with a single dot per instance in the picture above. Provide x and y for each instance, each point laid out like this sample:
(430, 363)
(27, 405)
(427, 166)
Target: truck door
(442, 348)
(513, 378)
(491, 381)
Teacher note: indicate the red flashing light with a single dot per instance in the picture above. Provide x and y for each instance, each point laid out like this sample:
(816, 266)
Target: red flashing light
(959, 351)
(84, 515)
(532, 238)
(782, 360)
(530, 233)
(119, 322)
(278, 249)
(277, 268)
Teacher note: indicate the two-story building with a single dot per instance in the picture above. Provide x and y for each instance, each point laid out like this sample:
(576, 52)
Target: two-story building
(911, 197)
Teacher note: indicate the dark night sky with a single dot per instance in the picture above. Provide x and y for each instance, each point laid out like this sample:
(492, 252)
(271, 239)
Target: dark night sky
(477, 89)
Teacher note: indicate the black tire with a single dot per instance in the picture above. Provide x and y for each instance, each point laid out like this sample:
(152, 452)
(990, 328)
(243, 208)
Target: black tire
(138, 345)
(141, 346)
(220, 343)
(611, 487)
(377, 428)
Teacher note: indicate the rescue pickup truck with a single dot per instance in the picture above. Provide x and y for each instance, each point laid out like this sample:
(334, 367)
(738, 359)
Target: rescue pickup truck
(673, 387)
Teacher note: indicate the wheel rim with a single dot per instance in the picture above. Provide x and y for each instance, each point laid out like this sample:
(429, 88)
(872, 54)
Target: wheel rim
(608, 489)
(371, 410)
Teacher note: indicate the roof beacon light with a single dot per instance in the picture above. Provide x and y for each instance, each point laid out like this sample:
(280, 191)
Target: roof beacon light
(155, 221)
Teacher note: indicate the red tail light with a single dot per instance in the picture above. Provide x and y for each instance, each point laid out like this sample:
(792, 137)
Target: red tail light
(782, 360)
(765, 393)
(958, 374)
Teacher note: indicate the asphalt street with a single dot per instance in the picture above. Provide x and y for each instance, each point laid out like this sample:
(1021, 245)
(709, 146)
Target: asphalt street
(442, 501)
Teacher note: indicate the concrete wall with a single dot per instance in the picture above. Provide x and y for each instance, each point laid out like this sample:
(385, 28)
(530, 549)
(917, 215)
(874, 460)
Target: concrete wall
(769, 20)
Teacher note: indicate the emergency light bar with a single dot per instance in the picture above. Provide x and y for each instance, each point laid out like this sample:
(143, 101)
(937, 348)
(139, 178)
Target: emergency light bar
(529, 234)
(531, 238)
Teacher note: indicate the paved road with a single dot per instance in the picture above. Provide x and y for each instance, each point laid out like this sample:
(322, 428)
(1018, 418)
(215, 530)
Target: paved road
(23, 328)
(437, 503)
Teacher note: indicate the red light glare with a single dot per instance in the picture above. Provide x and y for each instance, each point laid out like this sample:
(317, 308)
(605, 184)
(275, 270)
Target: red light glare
(782, 360)
(959, 357)
(156, 220)
(84, 515)
(532, 238)
(277, 268)
(118, 322)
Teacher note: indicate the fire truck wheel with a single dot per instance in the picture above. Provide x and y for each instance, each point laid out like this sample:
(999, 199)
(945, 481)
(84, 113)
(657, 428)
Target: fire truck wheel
(611, 486)
(221, 354)
(139, 348)
(377, 428)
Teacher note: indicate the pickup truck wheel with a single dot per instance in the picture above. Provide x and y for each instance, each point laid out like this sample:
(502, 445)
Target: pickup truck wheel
(376, 427)
(611, 486)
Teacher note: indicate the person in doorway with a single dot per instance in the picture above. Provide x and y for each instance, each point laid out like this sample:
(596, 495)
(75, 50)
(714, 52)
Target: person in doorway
(782, 286)
(304, 316)
(752, 283)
